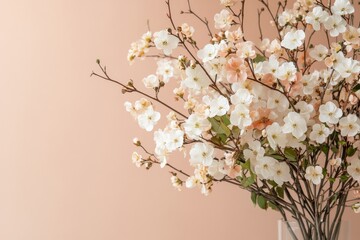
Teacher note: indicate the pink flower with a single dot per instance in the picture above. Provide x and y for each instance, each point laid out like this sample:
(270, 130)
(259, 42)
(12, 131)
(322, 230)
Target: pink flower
(236, 70)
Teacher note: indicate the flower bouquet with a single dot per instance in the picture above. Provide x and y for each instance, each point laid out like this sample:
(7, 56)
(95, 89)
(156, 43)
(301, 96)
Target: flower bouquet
(278, 118)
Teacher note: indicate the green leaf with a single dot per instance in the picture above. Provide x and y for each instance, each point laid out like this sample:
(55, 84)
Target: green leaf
(235, 131)
(272, 206)
(280, 192)
(342, 142)
(259, 58)
(272, 183)
(219, 127)
(325, 149)
(344, 178)
(290, 154)
(277, 157)
(332, 180)
(226, 120)
(262, 202)
(253, 197)
(246, 165)
(356, 88)
(351, 151)
(248, 181)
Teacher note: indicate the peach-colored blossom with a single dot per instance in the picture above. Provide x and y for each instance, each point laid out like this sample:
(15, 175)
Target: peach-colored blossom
(236, 70)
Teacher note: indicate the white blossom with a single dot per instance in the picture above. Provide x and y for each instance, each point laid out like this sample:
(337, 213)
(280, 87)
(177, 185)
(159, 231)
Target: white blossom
(294, 124)
(209, 52)
(319, 133)
(330, 113)
(354, 170)
(281, 173)
(278, 102)
(316, 17)
(342, 7)
(223, 20)
(293, 39)
(136, 159)
(165, 42)
(336, 24)
(349, 125)
(275, 136)
(240, 116)
(314, 174)
(219, 106)
(151, 81)
(319, 52)
(287, 71)
(265, 168)
(148, 119)
(242, 96)
(165, 69)
(196, 78)
(195, 125)
(201, 153)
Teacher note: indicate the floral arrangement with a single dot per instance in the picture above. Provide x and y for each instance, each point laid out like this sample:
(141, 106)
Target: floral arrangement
(279, 118)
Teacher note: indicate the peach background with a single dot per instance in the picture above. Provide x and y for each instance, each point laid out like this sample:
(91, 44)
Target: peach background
(65, 145)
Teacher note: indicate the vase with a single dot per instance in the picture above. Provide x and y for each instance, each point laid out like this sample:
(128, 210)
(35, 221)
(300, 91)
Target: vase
(290, 230)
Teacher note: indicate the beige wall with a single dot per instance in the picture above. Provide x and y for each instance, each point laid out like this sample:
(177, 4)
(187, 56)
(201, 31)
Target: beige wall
(65, 139)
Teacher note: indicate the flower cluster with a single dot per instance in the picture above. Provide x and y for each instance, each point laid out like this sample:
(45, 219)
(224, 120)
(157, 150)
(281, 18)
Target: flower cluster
(269, 117)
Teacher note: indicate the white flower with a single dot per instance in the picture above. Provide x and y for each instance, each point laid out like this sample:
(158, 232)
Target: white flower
(319, 52)
(195, 125)
(245, 50)
(242, 96)
(202, 153)
(275, 136)
(136, 159)
(196, 78)
(336, 24)
(265, 168)
(148, 119)
(166, 42)
(209, 52)
(228, 3)
(278, 102)
(281, 173)
(174, 140)
(254, 152)
(316, 17)
(305, 109)
(347, 66)
(219, 106)
(287, 71)
(176, 182)
(319, 133)
(165, 69)
(215, 170)
(309, 82)
(314, 174)
(223, 20)
(349, 125)
(192, 182)
(330, 113)
(342, 7)
(270, 66)
(151, 81)
(240, 116)
(286, 17)
(294, 124)
(293, 39)
(354, 170)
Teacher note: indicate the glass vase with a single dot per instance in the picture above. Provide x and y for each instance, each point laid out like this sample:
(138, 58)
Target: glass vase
(290, 230)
